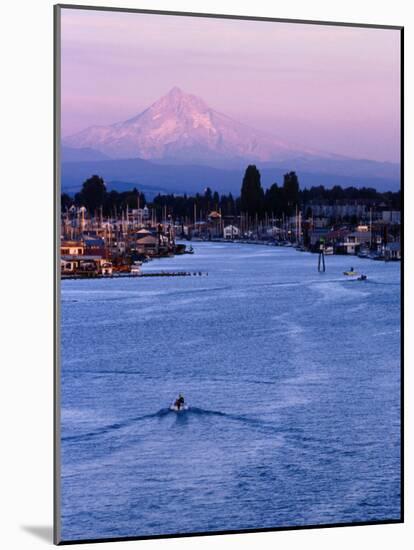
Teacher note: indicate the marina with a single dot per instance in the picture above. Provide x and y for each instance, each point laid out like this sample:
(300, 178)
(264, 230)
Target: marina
(119, 243)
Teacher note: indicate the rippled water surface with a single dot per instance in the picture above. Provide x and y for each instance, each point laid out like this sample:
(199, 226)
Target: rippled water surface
(293, 382)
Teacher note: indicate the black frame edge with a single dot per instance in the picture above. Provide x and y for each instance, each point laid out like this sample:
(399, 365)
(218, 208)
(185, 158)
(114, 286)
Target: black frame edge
(56, 277)
(402, 268)
(227, 16)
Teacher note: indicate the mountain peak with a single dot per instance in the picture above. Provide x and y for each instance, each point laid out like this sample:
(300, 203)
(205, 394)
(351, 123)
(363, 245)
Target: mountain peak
(178, 126)
(180, 101)
(176, 92)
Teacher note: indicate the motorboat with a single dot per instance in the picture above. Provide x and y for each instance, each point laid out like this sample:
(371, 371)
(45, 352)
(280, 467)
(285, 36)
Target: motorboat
(175, 408)
(179, 404)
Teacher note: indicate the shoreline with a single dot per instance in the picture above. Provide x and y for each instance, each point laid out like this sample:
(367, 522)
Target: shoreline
(296, 247)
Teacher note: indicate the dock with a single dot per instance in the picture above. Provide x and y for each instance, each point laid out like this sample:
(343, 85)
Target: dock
(136, 276)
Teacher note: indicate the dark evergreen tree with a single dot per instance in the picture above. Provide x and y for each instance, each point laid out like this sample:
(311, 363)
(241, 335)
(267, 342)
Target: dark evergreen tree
(216, 201)
(92, 194)
(252, 195)
(65, 202)
(232, 211)
(207, 202)
(291, 191)
(274, 200)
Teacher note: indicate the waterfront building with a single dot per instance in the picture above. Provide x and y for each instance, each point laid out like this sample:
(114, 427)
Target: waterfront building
(94, 246)
(147, 244)
(85, 265)
(68, 264)
(214, 216)
(72, 248)
(355, 239)
(392, 251)
(316, 235)
(391, 216)
(340, 209)
(336, 236)
(181, 229)
(231, 232)
(274, 232)
(142, 233)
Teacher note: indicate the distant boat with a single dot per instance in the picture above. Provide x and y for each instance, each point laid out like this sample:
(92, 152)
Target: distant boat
(363, 254)
(136, 268)
(175, 408)
(378, 256)
(179, 249)
(179, 404)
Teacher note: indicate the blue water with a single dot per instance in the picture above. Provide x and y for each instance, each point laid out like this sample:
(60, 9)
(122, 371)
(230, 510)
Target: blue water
(293, 381)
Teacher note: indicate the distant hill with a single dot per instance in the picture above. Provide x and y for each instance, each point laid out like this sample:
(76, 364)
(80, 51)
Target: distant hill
(72, 154)
(142, 173)
(191, 179)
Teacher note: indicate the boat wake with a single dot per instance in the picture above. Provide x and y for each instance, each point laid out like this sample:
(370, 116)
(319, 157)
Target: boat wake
(188, 412)
(116, 426)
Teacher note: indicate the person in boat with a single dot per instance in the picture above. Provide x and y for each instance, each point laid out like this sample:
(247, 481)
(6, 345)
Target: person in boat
(179, 402)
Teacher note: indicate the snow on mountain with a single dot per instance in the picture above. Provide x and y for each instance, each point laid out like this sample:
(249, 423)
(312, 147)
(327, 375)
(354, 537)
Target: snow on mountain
(180, 126)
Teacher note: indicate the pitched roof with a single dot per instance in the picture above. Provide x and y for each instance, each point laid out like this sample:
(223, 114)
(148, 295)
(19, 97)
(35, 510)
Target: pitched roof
(147, 239)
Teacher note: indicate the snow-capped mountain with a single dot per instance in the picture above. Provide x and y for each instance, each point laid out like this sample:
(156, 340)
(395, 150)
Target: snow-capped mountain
(180, 126)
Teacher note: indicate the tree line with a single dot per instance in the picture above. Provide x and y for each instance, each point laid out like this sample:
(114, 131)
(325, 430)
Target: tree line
(254, 200)
(95, 197)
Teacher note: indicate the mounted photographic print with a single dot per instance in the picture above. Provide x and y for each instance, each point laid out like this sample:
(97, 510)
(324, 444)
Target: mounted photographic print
(228, 274)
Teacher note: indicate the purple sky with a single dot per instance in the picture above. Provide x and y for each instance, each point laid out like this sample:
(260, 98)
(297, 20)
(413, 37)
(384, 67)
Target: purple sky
(326, 87)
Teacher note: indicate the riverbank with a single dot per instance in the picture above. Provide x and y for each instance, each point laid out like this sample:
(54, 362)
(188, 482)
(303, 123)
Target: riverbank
(136, 275)
(300, 248)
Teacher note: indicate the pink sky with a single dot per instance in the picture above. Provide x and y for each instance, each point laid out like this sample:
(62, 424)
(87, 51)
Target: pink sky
(326, 87)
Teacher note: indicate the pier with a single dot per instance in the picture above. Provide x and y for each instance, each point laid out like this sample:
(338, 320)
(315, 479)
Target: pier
(136, 276)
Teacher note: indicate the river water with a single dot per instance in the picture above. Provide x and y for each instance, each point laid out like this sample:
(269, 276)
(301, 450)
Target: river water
(293, 382)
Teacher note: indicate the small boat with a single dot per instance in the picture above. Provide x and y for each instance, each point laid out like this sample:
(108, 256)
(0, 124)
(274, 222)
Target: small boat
(179, 405)
(350, 273)
(136, 268)
(174, 408)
